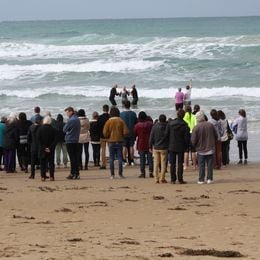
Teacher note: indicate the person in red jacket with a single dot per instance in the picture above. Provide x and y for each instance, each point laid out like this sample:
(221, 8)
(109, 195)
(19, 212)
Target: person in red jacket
(142, 132)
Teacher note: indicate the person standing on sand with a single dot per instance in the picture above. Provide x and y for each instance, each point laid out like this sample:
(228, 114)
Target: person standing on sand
(103, 142)
(84, 138)
(34, 144)
(23, 147)
(239, 127)
(130, 119)
(159, 147)
(178, 133)
(190, 119)
(179, 98)
(95, 138)
(225, 142)
(37, 114)
(142, 131)
(72, 132)
(47, 141)
(11, 139)
(220, 131)
(134, 95)
(203, 138)
(114, 131)
(61, 145)
(2, 131)
(113, 94)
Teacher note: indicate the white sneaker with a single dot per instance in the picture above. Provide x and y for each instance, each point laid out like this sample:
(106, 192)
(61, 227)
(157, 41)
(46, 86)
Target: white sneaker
(112, 177)
(132, 164)
(124, 164)
(200, 182)
(209, 181)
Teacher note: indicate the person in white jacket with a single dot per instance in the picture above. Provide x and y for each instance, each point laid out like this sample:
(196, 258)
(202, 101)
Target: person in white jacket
(239, 127)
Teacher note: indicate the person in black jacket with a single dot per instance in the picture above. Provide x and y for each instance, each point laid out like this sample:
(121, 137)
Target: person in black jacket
(61, 145)
(23, 150)
(103, 142)
(95, 138)
(178, 133)
(34, 144)
(159, 146)
(47, 141)
(113, 93)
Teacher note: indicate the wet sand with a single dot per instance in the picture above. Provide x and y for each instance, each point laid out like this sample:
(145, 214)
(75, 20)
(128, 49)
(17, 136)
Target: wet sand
(99, 218)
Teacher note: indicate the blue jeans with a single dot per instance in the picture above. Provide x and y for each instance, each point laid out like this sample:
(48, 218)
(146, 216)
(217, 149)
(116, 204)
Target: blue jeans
(204, 160)
(143, 155)
(115, 151)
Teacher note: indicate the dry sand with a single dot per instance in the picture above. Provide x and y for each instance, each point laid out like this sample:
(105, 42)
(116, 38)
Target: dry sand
(99, 218)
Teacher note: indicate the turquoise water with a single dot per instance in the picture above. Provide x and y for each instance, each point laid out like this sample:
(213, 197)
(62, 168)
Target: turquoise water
(59, 63)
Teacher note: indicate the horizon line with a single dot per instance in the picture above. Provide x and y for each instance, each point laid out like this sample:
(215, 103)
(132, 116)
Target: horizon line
(129, 18)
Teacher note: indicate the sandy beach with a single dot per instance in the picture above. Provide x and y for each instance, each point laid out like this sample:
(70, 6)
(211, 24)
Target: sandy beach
(99, 218)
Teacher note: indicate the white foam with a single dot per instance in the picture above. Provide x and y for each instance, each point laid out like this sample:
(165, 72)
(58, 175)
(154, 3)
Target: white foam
(179, 47)
(160, 93)
(16, 71)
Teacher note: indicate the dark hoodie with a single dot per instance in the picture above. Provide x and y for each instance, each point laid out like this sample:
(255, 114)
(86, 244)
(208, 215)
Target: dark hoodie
(157, 139)
(178, 133)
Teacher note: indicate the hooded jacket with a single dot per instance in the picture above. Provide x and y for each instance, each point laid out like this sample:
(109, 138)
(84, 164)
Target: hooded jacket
(142, 132)
(157, 139)
(177, 131)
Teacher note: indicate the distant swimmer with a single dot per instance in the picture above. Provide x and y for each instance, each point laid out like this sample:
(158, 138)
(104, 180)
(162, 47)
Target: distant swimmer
(179, 98)
(187, 95)
(134, 95)
(113, 93)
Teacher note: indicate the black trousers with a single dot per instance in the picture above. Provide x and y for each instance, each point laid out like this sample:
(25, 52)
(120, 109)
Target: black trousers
(86, 151)
(242, 146)
(173, 159)
(72, 149)
(96, 154)
(47, 162)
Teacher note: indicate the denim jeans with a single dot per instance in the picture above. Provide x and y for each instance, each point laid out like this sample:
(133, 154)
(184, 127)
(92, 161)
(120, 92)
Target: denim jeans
(204, 160)
(115, 151)
(143, 155)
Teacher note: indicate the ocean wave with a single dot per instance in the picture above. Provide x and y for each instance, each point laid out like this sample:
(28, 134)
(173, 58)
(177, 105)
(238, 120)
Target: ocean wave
(17, 71)
(224, 93)
(97, 46)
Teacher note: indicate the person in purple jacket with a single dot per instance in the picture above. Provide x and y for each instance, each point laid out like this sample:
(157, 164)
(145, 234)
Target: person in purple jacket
(179, 99)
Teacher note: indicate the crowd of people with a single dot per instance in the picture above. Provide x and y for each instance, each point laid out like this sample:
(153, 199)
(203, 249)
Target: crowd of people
(174, 142)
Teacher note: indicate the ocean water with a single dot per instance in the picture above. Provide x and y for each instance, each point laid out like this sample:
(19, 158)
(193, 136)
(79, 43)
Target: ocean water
(55, 64)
